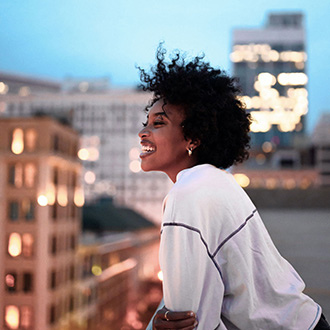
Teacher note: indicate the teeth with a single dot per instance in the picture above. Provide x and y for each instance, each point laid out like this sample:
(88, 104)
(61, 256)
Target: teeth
(147, 149)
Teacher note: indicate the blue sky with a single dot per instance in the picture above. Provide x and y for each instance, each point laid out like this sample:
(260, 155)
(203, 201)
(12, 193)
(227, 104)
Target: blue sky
(97, 38)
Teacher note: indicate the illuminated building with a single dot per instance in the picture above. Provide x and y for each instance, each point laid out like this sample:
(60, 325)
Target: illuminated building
(108, 123)
(271, 65)
(40, 197)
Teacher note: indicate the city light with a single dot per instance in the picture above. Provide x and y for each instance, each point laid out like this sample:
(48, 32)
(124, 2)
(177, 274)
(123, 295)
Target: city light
(12, 317)
(160, 276)
(83, 154)
(242, 179)
(78, 197)
(3, 88)
(10, 281)
(62, 196)
(51, 194)
(15, 244)
(17, 145)
(96, 270)
(89, 177)
(42, 200)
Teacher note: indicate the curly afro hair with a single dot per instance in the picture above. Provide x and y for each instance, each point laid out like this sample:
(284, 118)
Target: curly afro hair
(214, 115)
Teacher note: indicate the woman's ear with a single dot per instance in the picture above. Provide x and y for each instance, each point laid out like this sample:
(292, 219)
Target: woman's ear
(193, 144)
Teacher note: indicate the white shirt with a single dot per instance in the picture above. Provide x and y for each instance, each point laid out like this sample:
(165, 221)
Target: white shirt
(219, 261)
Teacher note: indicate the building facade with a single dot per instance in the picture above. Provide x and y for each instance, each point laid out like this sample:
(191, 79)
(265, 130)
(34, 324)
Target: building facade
(40, 196)
(109, 147)
(270, 63)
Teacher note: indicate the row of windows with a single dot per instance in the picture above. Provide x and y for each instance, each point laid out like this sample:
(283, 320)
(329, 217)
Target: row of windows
(61, 277)
(65, 146)
(19, 282)
(63, 243)
(23, 140)
(22, 175)
(24, 209)
(18, 317)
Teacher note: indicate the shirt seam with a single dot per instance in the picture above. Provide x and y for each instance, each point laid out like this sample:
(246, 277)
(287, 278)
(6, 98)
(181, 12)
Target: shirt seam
(179, 224)
(236, 231)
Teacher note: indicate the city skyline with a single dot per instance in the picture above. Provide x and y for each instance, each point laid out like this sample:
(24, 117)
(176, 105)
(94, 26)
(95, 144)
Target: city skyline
(108, 38)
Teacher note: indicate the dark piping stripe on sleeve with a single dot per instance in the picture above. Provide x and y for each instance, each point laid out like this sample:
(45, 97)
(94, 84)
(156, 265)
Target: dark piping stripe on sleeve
(234, 233)
(177, 224)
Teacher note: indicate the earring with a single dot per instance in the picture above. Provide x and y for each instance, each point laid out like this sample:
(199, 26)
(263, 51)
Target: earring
(189, 152)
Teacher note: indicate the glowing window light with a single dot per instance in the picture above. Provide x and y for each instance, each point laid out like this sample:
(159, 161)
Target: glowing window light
(26, 317)
(274, 55)
(247, 101)
(24, 91)
(3, 88)
(17, 145)
(256, 102)
(27, 243)
(242, 179)
(42, 200)
(293, 78)
(30, 139)
(79, 198)
(15, 244)
(289, 184)
(10, 281)
(89, 177)
(260, 159)
(271, 183)
(135, 166)
(18, 179)
(93, 154)
(266, 79)
(160, 276)
(62, 196)
(51, 194)
(83, 154)
(30, 172)
(12, 317)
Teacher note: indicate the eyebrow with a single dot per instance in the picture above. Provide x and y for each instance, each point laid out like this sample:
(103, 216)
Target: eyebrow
(161, 113)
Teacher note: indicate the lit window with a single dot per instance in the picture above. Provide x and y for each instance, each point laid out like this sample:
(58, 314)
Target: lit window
(26, 317)
(16, 175)
(15, 244)
(13, 210)
(30, 172)
(17, 144)
(11, 282)
(30, 139)
(27, 245)
(12, 317)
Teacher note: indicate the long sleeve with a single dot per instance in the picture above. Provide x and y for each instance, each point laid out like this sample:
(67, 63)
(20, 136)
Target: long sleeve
(192, 280)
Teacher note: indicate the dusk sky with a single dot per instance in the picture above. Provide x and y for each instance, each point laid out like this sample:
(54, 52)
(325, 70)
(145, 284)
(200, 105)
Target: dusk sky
(90, 39)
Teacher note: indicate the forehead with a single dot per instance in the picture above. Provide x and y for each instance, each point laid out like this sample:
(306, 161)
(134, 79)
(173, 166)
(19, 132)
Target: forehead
(172, 112)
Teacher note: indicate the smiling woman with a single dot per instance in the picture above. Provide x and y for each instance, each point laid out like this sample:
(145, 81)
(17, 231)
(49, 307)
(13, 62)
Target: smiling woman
(219, 263)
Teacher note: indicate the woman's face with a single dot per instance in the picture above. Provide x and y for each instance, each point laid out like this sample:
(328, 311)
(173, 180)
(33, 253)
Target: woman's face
(164, 147)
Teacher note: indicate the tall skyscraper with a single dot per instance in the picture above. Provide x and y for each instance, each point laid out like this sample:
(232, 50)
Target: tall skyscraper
(271, 65)
(40, 196)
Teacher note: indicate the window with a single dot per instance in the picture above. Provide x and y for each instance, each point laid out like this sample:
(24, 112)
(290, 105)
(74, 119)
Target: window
(53, 248)
(16, 175)
(27, 240)
(28, 209)
(26, 317)
(20, 244)
(52, 283)
(15, 244)
(30, 172)
(52, 314)
(12, 317)
(13, 210)
(17, 141)
(11, 282)
(30, 139)
(27, 282)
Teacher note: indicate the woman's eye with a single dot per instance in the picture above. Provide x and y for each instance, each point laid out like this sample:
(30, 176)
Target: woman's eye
(145, 124)
(158, 123)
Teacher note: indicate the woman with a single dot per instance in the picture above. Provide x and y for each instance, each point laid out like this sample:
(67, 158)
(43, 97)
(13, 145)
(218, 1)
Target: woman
(215, 253)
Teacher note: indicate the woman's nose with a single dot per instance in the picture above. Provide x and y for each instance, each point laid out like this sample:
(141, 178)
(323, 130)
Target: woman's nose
(144, 132)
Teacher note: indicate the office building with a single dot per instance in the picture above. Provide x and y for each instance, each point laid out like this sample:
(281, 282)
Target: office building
(271, 65)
